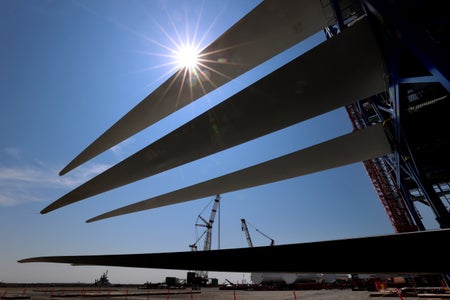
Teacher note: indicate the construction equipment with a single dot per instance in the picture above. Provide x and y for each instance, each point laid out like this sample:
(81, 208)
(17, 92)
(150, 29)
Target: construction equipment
(201, 277)
(103, 280)
(247, 234)
(392, 54)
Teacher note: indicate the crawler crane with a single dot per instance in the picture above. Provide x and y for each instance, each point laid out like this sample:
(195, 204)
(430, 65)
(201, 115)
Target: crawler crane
(201, 277)
(247, 234)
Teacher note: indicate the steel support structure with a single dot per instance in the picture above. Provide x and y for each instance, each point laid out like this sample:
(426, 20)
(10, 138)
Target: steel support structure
(416, 33)
(378, 170)
(415, 40)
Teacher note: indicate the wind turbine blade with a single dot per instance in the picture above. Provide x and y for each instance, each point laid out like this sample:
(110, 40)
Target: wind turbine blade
(350, 65)
(353, 147)
(270, 28)
(334, 256)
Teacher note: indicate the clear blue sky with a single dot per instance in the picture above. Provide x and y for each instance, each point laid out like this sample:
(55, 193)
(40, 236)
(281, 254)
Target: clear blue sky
(69, 70)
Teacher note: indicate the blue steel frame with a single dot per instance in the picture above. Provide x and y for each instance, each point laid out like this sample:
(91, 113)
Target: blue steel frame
(433, 57)
(407, 31)
(394, 91)
(435, 60)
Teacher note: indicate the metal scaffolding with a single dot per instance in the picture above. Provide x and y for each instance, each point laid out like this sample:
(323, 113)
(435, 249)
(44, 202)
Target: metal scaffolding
(415, 38)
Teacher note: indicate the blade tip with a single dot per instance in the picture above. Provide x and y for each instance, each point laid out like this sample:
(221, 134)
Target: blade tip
(95, 219)
(66, 169)
(46, 210)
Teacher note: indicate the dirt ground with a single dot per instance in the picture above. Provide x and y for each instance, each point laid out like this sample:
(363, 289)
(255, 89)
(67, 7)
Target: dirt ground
(78, 293)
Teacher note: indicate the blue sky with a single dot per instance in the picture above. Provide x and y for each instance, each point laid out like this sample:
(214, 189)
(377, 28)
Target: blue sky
(71, 69)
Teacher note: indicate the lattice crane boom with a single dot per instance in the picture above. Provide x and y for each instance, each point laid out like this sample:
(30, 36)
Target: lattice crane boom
(202, 276)
(247, 234)
(209, 224)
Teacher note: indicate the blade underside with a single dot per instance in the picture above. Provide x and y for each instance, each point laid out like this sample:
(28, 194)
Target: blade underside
(351, 67)
(244, 46)
(380, 254)
(357, 146)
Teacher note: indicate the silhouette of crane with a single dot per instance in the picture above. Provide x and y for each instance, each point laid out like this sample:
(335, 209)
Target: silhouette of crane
(201, 276)
(247, 233)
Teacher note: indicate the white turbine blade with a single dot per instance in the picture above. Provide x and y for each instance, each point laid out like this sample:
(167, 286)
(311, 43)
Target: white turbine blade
(357, 146)
(338, 72)
(270, 28)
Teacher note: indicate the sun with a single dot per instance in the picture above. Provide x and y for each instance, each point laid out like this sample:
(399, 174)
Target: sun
(186, 57)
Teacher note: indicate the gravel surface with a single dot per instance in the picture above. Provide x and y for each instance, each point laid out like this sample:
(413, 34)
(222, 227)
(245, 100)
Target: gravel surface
(50, 293)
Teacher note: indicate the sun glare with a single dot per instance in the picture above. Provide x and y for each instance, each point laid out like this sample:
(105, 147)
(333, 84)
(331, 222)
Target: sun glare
(187, 57)
(183, 56)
